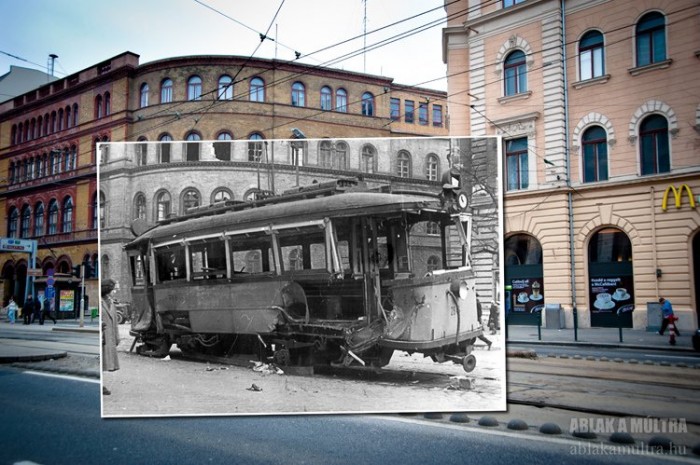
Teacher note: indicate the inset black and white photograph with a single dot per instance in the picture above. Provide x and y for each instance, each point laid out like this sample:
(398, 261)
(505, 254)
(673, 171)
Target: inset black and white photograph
(265, 277)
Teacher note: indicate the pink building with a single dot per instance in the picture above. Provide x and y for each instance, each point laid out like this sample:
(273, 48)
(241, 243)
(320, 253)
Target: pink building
(598, 106)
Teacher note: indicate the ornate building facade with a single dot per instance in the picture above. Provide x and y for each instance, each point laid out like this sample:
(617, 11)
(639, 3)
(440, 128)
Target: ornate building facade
(597, 105)
(49, 137)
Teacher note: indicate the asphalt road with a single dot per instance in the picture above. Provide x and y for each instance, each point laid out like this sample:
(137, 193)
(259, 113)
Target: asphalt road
(55, 420)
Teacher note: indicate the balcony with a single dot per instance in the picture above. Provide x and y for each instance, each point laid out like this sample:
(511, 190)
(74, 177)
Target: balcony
(43, 181)
(85, 235)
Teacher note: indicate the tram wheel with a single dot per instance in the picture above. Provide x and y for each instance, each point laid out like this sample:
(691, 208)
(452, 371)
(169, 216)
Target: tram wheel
(282, 357)
(468, 363)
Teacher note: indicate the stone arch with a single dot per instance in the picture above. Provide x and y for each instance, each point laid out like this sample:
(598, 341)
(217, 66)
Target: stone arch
(651, 107)
(514, 42)
(606, 218)
(593, 119)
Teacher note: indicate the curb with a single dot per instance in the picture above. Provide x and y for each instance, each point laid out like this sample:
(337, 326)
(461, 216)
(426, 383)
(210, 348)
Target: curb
(32, 358)
(602, 345)
(552, 429)
(59, 370)
(77, 330)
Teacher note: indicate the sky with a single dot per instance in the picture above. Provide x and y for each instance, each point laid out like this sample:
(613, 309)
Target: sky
(85, 32)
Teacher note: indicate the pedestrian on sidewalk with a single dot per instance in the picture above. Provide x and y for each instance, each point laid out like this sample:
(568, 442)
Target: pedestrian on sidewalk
(12, 310)
(110, 330)
(478, 315)
(667, 313)
(45, 311)
(28, 310)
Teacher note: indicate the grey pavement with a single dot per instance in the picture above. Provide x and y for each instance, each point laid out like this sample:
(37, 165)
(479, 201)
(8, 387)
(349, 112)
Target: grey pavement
(12, 352)
(598, 337)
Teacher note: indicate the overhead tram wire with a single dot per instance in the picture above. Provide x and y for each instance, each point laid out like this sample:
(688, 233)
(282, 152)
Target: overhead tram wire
(353, 54)
(312, 68)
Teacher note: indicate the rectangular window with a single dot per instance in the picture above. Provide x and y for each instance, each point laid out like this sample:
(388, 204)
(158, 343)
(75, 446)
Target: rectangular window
(509, 3)
(170, 263)
(410, 108)
(517, 164)
(395, 109)
(437, 115)
(208, 259)
(423, 114)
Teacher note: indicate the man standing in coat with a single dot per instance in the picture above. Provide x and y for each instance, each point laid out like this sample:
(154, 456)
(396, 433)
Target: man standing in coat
(110, 330)
(28, 310)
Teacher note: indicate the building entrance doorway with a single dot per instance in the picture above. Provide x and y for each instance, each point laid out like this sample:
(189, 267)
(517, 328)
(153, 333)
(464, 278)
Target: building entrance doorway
(611, 279)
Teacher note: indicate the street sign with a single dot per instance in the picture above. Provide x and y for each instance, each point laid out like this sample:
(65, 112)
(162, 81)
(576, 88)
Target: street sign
(34, 272)
(17, 245)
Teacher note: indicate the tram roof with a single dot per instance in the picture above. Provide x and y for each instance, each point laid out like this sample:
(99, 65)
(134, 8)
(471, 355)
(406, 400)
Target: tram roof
(347, 204)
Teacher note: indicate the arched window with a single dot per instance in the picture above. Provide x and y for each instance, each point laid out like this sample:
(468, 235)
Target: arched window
(190, 199)
(368, 159)
(76, 114)
(225, 87)
(39, 220)
(95, 266)
(253, 261)
(194, 88)
(326, 98)
(53, 116)
(655, 154)
(13, 223)
(341, 101)
(651, 39)
(166, 91)
(325, 154)
(403, 165)
(69, 120)
(432, 167)
(433, 263)
(143, 103)
(591, 55)
(298, 95)
(13, 135)
(100, 210)
(192, 146)
(67, 217)
(595, 154)
(140, 207)
(255, 147)
(53, 217)
(105, 267)
(108, 104)
(141, 151)
(222, 149)
(367, 104)
(341, 156)
(99, 112)
(25, 226)
(221, 195)
(60, 122)
(257, 90)
(164, 148)
(515, 73)
(525, 286)
(162, 205)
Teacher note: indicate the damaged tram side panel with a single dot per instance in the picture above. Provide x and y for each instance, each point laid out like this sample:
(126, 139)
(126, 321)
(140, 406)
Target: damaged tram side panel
(330, 274)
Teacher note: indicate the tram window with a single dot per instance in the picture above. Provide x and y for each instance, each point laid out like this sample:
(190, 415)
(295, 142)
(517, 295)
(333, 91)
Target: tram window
(344, 250)
(247, 261)
(385, 253)
(170, 263)
(137, 271)
(208, 259)
(454, 252)
(303, 248)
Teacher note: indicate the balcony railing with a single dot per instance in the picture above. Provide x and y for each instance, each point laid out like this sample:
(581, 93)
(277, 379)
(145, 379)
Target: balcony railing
(84, 235)
(21, 183)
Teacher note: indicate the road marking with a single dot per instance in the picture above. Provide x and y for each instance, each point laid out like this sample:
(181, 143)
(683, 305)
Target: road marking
(73, 378)
(542, 438)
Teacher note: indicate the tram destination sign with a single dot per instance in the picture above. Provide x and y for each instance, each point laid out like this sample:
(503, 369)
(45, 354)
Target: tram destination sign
(17, 245)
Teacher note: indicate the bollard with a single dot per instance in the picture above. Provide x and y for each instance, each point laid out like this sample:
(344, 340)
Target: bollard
(575, 324)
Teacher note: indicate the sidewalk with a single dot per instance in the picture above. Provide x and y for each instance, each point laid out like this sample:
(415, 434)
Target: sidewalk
(599, 337)
(16, 350)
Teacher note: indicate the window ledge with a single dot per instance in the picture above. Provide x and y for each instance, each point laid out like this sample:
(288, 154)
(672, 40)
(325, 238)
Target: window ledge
(591, 82)
(512, 98)
(643, 69)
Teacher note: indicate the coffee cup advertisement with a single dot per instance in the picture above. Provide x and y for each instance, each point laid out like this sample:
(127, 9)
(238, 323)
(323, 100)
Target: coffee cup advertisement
(612, 294)
(527, 295)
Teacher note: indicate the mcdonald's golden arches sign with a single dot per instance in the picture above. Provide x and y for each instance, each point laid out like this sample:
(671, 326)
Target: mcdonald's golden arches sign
(678, 196)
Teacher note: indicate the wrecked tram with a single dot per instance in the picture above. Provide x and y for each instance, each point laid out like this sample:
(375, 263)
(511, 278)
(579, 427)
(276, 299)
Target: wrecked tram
(321, 274)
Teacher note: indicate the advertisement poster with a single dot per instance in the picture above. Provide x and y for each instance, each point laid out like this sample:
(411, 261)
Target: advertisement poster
(526, 295)
(612, 294)
(66, 301)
